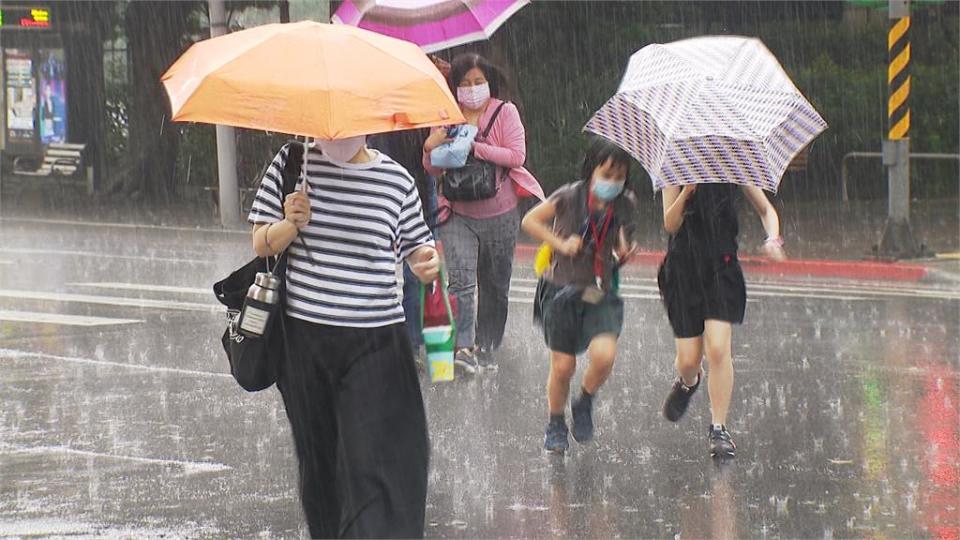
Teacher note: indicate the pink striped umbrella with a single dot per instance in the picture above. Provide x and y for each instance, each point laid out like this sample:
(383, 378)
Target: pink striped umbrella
(432, 24)
(709, 109)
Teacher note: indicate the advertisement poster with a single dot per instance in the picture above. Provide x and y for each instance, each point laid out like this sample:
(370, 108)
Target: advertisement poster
(53, 99)
(21, 95)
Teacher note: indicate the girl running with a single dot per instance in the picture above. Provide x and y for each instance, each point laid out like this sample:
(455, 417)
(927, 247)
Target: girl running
(588, 225)
(702, 288)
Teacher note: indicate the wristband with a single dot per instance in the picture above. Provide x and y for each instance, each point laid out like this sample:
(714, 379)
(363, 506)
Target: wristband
(775, 240)
(266, 237)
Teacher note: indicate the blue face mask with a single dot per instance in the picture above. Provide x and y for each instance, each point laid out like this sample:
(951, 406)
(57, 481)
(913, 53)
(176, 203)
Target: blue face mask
(607, 190)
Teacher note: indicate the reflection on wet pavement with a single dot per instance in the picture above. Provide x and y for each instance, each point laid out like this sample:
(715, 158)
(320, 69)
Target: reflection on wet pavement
(845, 412)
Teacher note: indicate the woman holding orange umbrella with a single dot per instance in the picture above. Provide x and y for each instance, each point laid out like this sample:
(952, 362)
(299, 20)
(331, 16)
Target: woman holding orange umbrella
(349, 383)
(350, 386)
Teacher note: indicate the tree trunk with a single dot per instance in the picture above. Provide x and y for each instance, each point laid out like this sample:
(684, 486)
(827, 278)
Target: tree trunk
(83, 35)
(156, 31)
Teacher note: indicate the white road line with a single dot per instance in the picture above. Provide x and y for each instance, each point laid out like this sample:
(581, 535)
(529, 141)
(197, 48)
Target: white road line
(112, 225)
(871, 291)
(18, 354)
(142, 287)
(770, 289)
(189, 467)
(102, 255)
(62, 319)
(111, 300)
(751, 293)
(532, 291)
(841, 297)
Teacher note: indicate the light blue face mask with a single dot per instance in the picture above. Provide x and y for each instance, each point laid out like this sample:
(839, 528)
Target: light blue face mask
(607, 190)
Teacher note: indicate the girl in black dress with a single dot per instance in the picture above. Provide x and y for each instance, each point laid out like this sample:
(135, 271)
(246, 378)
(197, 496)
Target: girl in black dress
(702, 288)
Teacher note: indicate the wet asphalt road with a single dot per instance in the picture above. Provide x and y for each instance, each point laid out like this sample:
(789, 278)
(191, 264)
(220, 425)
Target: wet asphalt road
(118, 417)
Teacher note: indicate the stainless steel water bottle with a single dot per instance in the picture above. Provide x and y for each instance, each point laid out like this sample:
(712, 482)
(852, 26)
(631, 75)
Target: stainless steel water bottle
(263, 299)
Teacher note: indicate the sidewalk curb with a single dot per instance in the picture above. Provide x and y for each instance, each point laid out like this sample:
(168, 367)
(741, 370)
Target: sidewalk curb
(862, 270)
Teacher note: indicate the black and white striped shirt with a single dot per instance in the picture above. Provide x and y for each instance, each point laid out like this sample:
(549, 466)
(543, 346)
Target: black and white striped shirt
(365, 218)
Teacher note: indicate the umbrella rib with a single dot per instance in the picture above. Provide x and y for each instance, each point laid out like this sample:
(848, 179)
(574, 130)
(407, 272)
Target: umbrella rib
(742, 120)
(330, 107)
(389, 53)
(498, 21)
(240, 49)
(760, 138)
(678, 57)
(639, 85)
(455, 42)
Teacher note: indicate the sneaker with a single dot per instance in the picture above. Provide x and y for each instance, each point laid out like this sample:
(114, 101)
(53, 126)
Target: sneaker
(555, 437)
(679, 398)
(582, 412)
(486, 360)
(466, 360)
(721, 443)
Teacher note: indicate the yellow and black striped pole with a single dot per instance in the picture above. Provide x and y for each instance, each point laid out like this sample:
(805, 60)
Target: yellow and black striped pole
(897, 241)
(898, 79)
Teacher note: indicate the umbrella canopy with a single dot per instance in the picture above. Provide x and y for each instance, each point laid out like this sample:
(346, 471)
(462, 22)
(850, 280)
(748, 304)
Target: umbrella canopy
(307, 78)
(709, 109)
(432, 24)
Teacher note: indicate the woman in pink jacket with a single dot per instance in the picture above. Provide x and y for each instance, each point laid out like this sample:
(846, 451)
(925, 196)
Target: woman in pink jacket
(480, 236)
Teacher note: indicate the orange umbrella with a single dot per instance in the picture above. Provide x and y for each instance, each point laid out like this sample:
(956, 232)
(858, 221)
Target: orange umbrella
(307, 78)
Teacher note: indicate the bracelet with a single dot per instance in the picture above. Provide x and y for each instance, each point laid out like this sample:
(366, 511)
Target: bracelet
(266, 237)
(776, 240)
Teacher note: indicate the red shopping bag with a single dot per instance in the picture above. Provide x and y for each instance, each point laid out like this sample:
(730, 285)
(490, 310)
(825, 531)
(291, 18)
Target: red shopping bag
(433, 307)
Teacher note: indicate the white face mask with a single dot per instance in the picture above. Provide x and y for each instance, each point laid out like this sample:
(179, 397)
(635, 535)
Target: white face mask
(473, 97)
(342, 150)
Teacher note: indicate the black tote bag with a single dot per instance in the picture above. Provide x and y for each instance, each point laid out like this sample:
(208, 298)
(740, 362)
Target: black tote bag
(254, 362)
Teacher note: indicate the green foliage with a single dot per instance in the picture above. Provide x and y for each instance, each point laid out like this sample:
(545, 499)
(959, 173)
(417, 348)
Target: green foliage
(568, 59)
(117, 121)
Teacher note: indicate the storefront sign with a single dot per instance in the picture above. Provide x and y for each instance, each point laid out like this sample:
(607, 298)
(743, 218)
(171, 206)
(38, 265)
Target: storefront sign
(25, 18)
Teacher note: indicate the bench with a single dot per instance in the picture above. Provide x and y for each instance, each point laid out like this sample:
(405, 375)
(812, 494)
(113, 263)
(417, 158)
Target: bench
(62, 165)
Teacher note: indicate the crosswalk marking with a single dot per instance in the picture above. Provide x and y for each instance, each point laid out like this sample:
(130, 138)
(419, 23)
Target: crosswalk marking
(522, 292)
(62, 319)
(111, 300)
(146, 287)
(101, 255)
(190, 467)
(850, 291)
(16, 354)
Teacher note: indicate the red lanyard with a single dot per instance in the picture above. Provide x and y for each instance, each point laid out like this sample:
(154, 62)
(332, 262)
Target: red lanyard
(598, 237)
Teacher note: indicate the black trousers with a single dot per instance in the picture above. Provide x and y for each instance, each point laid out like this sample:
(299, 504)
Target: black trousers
(353, 400)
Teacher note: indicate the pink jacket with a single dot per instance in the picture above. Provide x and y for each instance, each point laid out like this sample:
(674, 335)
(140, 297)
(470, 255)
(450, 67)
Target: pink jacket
(506, 146)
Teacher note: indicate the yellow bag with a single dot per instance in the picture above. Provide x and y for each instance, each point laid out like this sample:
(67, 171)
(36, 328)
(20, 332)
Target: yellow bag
(542, 260)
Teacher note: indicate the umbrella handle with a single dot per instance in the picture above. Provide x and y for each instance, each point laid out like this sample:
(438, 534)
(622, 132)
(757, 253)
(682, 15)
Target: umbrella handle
(304, 185)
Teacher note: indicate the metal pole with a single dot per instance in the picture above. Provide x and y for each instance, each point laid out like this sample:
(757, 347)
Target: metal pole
(310, 10)
(897, 240)
(226, 140)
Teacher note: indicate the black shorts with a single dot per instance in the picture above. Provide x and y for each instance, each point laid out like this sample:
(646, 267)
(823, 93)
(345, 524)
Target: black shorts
(570, 323)
(695, 289)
